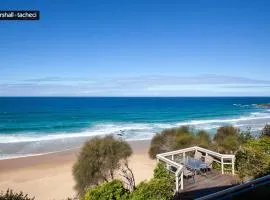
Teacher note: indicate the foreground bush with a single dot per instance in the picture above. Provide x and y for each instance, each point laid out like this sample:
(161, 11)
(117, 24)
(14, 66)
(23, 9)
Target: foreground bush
(113, 190)
(253, 159)
(98, 160)
(160, 172)
(177, 138)
(160, 187)
(10, 195)
(152, 190)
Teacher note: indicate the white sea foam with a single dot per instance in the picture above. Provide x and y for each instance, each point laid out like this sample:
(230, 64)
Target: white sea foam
(134, 131)
(31, 144)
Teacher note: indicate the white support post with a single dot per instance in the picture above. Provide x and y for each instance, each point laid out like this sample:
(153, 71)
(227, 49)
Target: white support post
(184, 156)
(222, 167)
(176, 183)
(182, 180)
(233, 166)
(173, 157)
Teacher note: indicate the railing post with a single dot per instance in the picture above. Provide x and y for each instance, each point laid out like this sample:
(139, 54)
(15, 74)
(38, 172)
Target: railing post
(222, 167)
(184, 156)
(176, 183)
(233, 165)
(182, 180)
(172, 157)
(167, 166)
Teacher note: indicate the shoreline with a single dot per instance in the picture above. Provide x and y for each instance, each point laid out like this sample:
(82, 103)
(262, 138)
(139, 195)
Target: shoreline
(60, 151)
(50, 176)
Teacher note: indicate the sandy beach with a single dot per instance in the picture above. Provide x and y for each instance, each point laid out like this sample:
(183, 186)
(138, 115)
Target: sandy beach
(50, 177)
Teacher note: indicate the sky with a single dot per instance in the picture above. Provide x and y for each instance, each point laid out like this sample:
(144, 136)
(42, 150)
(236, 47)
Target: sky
(136, 48)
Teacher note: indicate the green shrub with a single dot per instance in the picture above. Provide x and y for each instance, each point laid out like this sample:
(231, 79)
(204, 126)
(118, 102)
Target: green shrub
(204, 139)
(98, 160)
(10, 195)
(113, 190)
(245, 136)
(177, 138)
(160, 172)
(154, 189)
(227, 139)
(253, 159)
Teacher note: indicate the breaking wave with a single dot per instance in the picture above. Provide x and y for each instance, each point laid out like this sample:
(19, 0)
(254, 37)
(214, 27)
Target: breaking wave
(137, 131)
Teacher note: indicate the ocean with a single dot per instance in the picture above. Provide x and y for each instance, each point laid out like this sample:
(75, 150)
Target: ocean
(38, 125)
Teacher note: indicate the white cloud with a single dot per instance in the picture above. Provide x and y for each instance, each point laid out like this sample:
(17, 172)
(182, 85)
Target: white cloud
(204, 85)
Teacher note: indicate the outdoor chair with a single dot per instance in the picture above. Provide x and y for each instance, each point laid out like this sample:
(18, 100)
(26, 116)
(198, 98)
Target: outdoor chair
(198, 155)
(208, 164)
(188, 173)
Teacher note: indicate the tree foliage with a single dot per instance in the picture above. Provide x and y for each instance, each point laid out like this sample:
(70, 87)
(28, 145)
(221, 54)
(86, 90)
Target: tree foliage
(227, 139)
(98, 160)
(113, 190)
(159, 187)
(204, 139)
(177, 138)
(10, 195)
(160, 172)
(156, 188)
(253, 159)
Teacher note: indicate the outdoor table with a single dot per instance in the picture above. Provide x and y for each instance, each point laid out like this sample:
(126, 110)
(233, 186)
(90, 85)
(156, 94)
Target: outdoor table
(194, 164)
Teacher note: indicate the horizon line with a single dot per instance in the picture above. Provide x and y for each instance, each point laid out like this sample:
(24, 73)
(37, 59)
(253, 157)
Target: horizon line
(134, 96)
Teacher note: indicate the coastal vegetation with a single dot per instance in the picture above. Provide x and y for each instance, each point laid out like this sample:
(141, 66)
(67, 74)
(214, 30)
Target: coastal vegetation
(98, 161)
(253, 159)
(111, 190)
(177, 138)
(10, 195)
(102, 172)
(252, 153)
(159, 187)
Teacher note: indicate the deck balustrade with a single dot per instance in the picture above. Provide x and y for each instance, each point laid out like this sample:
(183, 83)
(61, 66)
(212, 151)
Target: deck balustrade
(171, 159)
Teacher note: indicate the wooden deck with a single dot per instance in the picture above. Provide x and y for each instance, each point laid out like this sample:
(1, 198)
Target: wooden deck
(203, 185)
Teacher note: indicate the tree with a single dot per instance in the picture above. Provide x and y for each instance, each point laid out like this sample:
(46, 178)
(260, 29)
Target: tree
(266, 131)
(10, 195)
(113, 190)
(98, 160)
(253, 159)
(177, 138)
(204, 139)
(245, 136)
(227, 139)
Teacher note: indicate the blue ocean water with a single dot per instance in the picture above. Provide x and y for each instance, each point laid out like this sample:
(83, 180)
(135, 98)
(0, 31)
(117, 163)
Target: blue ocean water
(42, 124)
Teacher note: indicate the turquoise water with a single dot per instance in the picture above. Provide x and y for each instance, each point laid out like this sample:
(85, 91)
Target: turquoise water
(34, 124)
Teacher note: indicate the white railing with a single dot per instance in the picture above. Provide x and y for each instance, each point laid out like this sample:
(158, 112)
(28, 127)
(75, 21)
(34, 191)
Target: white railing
(179, 167)
(178, 173)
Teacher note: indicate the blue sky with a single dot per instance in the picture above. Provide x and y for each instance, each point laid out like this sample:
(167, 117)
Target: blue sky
(137, 48)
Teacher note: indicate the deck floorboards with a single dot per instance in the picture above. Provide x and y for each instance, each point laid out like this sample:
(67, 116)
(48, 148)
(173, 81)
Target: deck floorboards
(215, 181)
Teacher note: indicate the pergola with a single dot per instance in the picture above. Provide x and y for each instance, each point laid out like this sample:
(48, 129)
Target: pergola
(171, 158)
